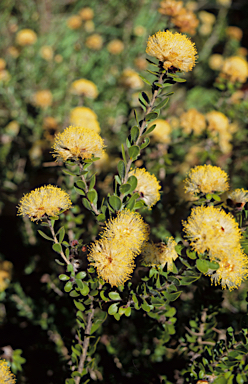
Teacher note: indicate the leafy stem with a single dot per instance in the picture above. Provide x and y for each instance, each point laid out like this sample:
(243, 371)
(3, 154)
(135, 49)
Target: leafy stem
(56, 241)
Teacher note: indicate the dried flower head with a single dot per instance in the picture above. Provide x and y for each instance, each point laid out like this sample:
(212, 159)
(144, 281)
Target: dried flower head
(26, 37)
(94, 42)
(43, 99)
(234, 69)
(84, 87)
(211, 229)
(176, 51)
(160, 254)
(206, 179)
(115, 47)
(44, 201)
(6, 377)
(162, 131)
(148, 186)
(77, 143)
(192, 120)
(74, 22)
(114, 263)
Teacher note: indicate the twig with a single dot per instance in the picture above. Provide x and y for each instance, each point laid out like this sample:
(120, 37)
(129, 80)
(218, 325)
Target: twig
(56, 241)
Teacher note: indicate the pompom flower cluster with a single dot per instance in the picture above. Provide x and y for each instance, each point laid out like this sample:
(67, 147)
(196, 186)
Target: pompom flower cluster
(160, 254)
(5, 374)
(121, 241)
(148, 186)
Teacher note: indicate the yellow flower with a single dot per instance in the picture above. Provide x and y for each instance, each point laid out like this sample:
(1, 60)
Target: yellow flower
(131, 79)
(215, 61)
(234, 33)
(12, 128)
(84, 87)
(170, 7)
(186, 21)
(46, 52)
(242, 51)
(233, 269)
(174, 50)
(148, 186)
(114, 263)
(58, 58)
(43, 98)
(192, 120)
(47, 200)
(217, 121)
(206, 17)
(206, 179)
(74, 22)
(13, 51)
(139, 30)
(140, 63)
(2, 64)
(77, 143)
(205, 29)
(211, 229)
(5, 274)
(26, 37)
(89, 26)
(235, 68)
(86, 13)
(128, 230)
(224, 3)
(6, 377)
(85, 117)
(237, 198)
(115, 47)
(94, 42)
(162, 131)
(160, 254)
(5, 76)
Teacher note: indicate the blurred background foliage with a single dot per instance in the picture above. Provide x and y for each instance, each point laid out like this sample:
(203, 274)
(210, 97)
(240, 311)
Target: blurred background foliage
(73, 42)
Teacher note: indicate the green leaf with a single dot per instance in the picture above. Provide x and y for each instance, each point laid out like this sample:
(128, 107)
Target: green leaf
(114, 296)
(45, 236)
(145, 97)
(220, 380)
(133, 152)
(63, 277)
(179, 80)
(118, 180)
(101, 217)
(132, 181)
(131, 201)
(85, 290)
(74, 293)
(202, 265)
(187, 280)
(113, 309)
(151, 62)
(134, 133)
(213, 265)
(139, 204)
(79, 305)
(92, 181)
(172, 296)
(121, 169)
(61, 234)
(103, 297)
(128, 311)
(162, 104)
(69, 268)
(97, 324)
(145, 143)
(79, 191)
(149, 130)
(146, 307)
(57, 247)
(92, 196)
(190, 254)
(125, 188)
(216, 197)
(68, 286)
(145, 80)
(151, 116)
(86, 203)
(115, 202)
(80, 184)
(67, 172)
(80, 275)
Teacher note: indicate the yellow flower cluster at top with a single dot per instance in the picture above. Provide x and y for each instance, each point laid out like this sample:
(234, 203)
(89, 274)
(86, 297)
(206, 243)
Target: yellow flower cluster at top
(77, 143)
(84, 117)
(185, 20)
(84, 87)
(6, 376)
(160, 254)
(122, 240)
(206, 179)
(174, 50)
(212, 230)
(148, 186)
(44, 201)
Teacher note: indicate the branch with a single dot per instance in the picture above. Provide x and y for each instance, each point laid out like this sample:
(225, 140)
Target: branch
(94, 208)
(56, 241)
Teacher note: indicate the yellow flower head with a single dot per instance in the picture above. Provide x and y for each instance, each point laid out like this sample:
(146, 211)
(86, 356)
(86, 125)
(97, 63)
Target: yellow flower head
(13, 51)
(5, 274)
(211, 229)
(206, 17)
(6, 377)
(26, 37)
(47, 200)
(186, 21)
(114, 263)
(235, 68)
(148, 186)
(84, 87)
(192, 120)
(115, 47)
(162, 131)
(217, 121)
(233, 269)
(174, 50)
(43, 98)
(234, 33)
(206, 179)
(86, 13)
(215, 61)
(94, 42)
(2, 64)
(131, 79)
(74, 22)
(85, 117)
(77, 143)
(170, 7)
(237, 198)
(129, 230)
(160, 254)
(46, 52)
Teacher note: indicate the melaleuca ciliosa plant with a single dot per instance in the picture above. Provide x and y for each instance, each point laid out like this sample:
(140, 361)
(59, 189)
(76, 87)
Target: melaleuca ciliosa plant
(212, 244)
